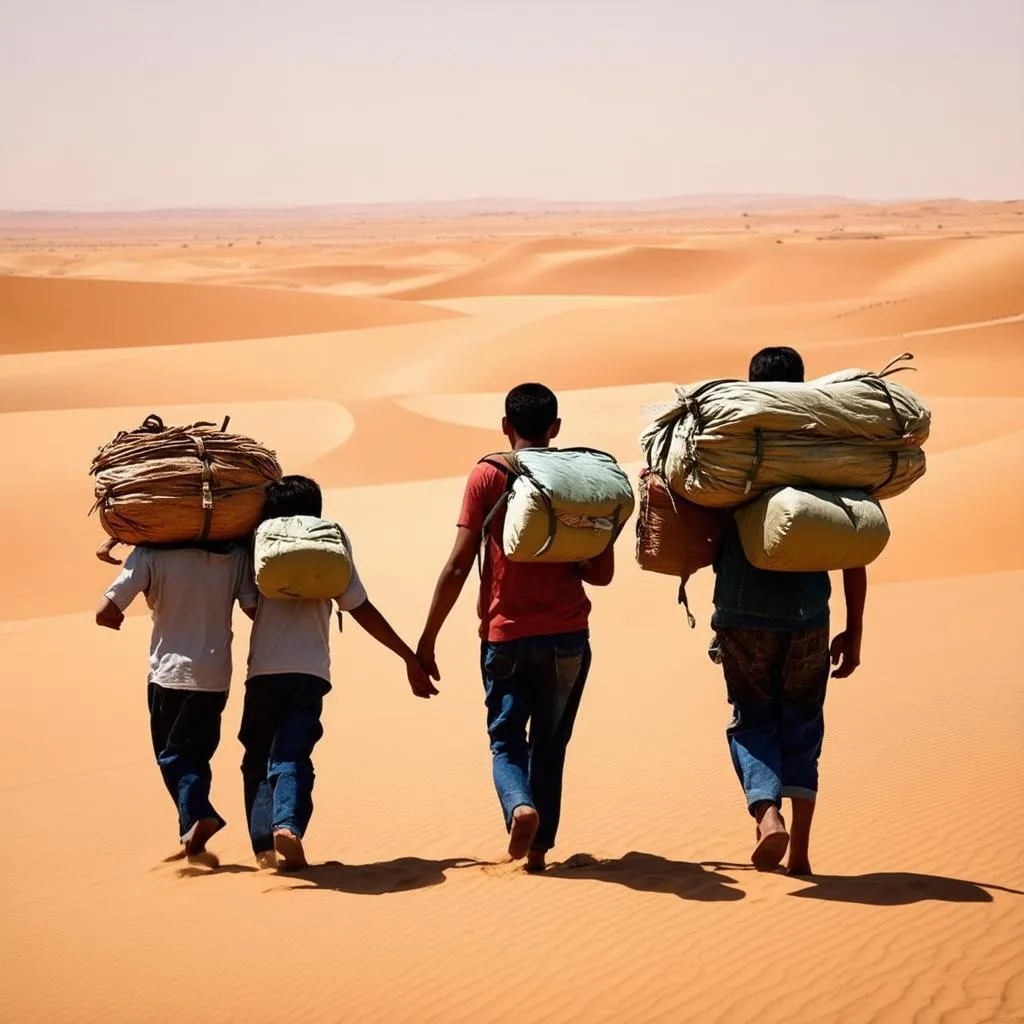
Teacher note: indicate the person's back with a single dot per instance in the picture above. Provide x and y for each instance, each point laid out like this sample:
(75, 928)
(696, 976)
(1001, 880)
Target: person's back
(190, 591)
(534, 632)
(772, 641)
(518, 599)
(746, 596)
(289, 674)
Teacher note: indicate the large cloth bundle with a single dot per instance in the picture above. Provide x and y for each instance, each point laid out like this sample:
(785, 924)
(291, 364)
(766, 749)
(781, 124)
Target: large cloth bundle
(302, 558)
(164, 485)
(724, 442)
(561, 504)
(673, 535)
(792, 530)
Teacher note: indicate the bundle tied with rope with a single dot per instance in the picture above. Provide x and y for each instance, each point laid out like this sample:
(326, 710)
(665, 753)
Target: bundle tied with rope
(725, 442)
(801, 467)
(185, 484)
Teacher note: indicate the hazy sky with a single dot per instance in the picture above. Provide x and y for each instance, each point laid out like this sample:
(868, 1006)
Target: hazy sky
(128, 103)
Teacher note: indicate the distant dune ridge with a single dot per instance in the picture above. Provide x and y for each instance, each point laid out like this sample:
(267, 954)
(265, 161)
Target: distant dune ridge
(371, 348)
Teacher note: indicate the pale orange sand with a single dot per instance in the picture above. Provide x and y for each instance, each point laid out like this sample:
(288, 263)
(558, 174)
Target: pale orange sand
(378, 364)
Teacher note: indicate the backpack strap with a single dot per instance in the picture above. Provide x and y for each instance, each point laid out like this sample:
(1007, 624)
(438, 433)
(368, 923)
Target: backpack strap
(686, 605)
(498, 461)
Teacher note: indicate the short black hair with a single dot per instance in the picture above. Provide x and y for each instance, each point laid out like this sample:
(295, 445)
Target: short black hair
(780, 364)
(292, 496)
(531, 410)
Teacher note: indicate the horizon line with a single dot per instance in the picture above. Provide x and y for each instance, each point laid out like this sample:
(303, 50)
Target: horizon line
(654, 203)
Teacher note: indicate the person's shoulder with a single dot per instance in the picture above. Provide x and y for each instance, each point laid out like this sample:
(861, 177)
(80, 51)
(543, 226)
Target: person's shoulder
(488, 471)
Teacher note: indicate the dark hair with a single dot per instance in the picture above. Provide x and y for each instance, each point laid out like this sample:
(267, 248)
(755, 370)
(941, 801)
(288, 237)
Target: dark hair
(293, 496)
(779, 364)
(531, 410)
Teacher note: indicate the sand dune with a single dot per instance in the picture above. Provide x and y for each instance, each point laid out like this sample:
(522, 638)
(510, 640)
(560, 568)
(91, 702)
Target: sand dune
(410, 912)
(625, 270)
(40, 314)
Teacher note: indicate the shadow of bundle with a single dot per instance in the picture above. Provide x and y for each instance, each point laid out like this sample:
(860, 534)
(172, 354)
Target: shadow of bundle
(167, 485)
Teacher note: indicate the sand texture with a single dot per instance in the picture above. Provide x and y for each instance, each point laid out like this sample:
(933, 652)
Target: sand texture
(375, 358)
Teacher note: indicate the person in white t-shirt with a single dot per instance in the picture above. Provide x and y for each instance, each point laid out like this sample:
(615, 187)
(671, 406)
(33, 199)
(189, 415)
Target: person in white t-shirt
(190, 590)
(288, 676)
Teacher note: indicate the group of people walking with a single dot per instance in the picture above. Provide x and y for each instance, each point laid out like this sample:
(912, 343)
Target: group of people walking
(771, 637)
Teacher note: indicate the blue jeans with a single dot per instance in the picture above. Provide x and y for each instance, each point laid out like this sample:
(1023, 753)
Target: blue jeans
(535, 682)
(280, 726)
(185, 729)
(776, 681)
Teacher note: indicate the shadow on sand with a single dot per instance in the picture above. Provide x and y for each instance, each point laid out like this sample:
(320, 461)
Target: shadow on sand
(897, 889)
(886, 888)
(401, 875)
(647, 872)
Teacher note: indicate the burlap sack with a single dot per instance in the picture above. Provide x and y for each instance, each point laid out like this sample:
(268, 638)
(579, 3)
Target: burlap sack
(302, 558)
(674, 536)
(164, 485)
(723, 443)
(797, 530)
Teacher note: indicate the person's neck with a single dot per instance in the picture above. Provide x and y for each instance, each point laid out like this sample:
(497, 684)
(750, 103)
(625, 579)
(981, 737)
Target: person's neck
(521, 443)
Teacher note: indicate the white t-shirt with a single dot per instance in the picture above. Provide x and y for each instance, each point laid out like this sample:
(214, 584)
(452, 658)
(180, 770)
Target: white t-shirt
(191, 594)
(294, 636)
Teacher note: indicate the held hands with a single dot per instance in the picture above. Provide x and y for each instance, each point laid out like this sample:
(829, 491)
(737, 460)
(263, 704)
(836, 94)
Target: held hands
(845, 652)
(419, 678)
(426, 657)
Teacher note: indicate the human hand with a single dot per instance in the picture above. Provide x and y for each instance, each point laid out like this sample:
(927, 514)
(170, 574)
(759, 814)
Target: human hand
(426, 657)
(103, 551)
(845, 652)
(419, 680)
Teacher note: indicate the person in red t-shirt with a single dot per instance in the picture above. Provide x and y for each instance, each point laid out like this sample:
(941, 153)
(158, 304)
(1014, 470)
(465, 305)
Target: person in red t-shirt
(535, 641)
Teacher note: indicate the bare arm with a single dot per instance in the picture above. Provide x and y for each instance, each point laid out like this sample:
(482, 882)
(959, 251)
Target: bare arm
(370, 619)
(846, 646)
(103, 552)
(108, 614)
(598, 572)
(449, 586)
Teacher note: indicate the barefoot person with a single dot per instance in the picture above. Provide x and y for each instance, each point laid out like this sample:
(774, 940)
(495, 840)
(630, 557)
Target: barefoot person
(772, 640)
(289, 674)
(190, 590)
(535, 649)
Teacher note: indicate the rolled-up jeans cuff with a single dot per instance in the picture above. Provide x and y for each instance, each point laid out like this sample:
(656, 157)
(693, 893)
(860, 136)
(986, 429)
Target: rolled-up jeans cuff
(753, 799)
(800, 793)
(514, 803)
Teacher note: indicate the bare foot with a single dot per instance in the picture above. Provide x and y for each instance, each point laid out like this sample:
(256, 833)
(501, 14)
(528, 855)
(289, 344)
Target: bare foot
(535, 862)
(200, 834)
(266, 860)
(772, 840)
(525, 822)
(291, 856)
(800, 837)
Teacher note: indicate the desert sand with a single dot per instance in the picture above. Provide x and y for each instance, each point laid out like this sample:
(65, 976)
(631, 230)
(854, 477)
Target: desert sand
(374, 354)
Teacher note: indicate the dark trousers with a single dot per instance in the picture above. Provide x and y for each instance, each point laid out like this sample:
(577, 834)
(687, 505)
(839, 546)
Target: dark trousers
(185, 726)
(537, 682)
(776, 681)
(280, 727)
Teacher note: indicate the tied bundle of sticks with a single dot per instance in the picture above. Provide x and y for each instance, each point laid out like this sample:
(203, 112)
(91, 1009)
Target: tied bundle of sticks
(174, 485)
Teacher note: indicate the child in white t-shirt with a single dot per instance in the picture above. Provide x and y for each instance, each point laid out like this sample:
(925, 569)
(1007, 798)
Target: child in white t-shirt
(288, 676)
(190, 590)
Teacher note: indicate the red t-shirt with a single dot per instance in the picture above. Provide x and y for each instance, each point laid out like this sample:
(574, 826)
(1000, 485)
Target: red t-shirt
(518, 599)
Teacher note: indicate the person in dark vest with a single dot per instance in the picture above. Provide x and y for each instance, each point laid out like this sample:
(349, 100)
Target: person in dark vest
(772, 641)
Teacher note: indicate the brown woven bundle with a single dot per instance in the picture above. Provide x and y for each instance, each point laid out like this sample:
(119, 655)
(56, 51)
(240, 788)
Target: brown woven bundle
(674, 536)
(164, 485)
